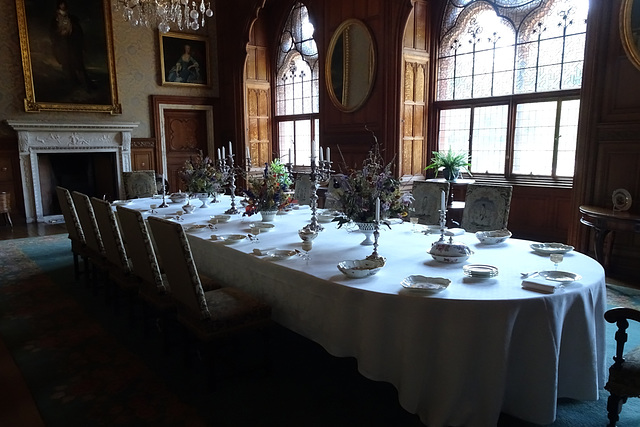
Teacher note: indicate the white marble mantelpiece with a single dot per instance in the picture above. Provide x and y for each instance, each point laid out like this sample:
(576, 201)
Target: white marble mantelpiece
(41, 137)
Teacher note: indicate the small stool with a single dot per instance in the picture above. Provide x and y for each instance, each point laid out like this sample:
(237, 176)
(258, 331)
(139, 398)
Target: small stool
(5, 207)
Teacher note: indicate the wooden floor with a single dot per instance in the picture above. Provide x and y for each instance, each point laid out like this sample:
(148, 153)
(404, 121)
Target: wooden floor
(21, 230)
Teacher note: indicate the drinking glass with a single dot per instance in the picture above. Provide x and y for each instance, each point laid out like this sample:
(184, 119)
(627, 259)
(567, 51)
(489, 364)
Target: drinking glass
(413, 220)
(556, 259)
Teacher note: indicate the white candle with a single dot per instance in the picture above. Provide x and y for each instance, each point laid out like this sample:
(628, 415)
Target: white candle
(442, 200)
(313, 151)
(328, 154)
(378, 209)
(321, 154)
(224, 153)
(230, 149)
(219, 155)
(290, 156)
(248, 153)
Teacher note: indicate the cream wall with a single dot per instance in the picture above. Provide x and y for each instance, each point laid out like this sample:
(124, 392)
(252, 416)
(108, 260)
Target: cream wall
(137, 69)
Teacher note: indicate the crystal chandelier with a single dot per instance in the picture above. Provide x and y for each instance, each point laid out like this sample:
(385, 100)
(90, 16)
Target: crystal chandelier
(161, 13)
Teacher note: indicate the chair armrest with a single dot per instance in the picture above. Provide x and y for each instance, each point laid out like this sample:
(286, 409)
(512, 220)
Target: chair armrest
(621, 316)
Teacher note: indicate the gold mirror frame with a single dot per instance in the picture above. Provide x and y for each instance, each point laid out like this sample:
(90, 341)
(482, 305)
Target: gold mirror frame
(350, 65)
(630, 43)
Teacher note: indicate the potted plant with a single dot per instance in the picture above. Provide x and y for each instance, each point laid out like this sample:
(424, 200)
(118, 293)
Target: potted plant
(450, 163)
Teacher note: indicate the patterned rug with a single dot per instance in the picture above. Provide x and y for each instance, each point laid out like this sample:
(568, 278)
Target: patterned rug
(88, 366)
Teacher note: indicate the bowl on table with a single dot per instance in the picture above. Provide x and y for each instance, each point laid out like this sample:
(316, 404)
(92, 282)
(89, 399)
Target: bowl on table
(222, 218)
(178, 197)
(359, 268)
(493, 237)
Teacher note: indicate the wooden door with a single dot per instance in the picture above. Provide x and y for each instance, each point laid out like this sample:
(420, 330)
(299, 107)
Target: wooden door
(185, 134)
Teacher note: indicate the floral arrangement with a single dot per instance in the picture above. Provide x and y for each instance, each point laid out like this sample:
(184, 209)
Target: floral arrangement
(201, 176)
(355, 193)
(269, 192)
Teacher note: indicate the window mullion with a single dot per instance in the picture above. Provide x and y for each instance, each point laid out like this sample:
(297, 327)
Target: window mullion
(511, 131)
(556, 139)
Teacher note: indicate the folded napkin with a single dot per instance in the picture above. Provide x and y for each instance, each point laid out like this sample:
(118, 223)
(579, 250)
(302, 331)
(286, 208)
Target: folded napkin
(540, 285)
(454, 232)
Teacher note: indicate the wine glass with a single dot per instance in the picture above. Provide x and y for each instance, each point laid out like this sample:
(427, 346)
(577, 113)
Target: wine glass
(413, 220)
(556, 259)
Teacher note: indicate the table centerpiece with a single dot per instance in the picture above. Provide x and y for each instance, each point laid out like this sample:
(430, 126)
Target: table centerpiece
(202, 179)
(270, 192)
(356, 192)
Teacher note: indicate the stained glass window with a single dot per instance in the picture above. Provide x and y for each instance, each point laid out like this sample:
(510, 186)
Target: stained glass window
(297, 88)
(510, 50)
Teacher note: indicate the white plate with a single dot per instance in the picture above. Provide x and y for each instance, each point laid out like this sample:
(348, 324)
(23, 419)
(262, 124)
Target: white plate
(121, 202)
(621, 199)
(551, 248)
(280, 254)
(480, 270)
(427, 284)
(560, 276)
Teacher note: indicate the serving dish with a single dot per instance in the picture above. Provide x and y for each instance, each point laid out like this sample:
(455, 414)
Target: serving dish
(228, 238)
(264, 226)
(178, 197)
(621, 199)
(450, 252)
(359, 268)
(551, 248)
(560, 276)
(493, 237)
(418, 282)
(280, 254)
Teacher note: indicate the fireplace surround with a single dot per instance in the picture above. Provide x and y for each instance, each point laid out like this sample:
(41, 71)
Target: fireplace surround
(35, 138)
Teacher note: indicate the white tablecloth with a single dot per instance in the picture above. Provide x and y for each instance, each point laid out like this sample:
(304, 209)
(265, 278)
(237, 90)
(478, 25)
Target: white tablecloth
(459, 357)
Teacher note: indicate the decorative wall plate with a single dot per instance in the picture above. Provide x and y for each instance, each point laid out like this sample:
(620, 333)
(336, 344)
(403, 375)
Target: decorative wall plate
(621, 200)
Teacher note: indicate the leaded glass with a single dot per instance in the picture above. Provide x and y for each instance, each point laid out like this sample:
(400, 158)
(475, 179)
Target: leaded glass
(542, 32)
(534, 138)
(488, 142)
(455, 126)
(568, 137)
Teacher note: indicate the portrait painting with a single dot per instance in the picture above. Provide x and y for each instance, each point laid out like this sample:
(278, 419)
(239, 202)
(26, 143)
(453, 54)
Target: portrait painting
(67, 55)
(184, 59)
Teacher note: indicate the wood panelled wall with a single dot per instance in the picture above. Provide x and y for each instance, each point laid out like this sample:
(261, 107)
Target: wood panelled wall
(609, 150)
(608, 153)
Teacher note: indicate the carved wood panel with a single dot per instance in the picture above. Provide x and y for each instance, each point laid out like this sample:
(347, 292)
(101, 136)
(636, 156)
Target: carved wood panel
(185, 136)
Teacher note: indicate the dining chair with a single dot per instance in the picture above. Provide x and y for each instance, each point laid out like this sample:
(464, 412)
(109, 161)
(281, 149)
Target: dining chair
(119, 270)
(486, 207)
(624, 374)
(5, 207)
(93, 239)
(302, 189)
(210, 317)
(139, 184)
(427, 200)
(76, 235)
(154, 290)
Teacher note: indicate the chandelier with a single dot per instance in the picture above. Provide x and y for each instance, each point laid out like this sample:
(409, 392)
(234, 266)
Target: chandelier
(161, 13)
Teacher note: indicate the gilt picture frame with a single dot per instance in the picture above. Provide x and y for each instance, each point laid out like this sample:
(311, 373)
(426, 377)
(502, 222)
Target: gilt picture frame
(68, 56)
(184, 60)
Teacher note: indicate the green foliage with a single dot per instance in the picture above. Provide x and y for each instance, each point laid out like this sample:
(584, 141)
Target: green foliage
(449, 160)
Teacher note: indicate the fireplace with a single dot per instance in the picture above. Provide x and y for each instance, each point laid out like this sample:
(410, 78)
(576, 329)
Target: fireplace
(98, 152)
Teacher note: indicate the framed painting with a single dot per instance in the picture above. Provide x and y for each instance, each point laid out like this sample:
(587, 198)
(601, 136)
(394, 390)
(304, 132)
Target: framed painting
(67, 55)
(184, 59)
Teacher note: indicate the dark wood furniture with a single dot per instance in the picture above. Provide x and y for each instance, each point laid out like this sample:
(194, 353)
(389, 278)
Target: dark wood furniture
(605, 220)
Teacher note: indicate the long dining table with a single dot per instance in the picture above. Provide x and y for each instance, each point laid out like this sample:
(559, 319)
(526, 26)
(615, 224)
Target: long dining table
(459, 357)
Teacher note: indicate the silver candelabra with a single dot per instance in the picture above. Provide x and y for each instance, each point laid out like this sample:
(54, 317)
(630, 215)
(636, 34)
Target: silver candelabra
(228, 167)
(321, 171)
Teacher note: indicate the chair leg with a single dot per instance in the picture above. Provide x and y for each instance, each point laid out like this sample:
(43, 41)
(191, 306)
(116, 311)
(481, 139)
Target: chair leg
(614, 406)
(76, 267)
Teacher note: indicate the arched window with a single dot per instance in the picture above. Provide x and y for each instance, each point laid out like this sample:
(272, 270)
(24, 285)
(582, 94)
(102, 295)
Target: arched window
(297, 88)
(508, 84)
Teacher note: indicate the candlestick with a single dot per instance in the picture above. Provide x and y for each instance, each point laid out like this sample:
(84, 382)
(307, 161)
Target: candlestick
(378, 209)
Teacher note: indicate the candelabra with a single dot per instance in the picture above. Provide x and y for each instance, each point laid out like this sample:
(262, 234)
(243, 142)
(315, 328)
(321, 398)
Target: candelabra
(164, 194)
(230, 169)
(322, 172)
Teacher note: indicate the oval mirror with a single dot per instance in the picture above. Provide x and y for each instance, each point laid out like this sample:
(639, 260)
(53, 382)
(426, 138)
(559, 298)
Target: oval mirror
(350, 65)
(630, 30)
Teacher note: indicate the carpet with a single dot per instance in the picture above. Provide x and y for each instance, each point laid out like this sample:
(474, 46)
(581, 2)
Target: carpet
(88, 366)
